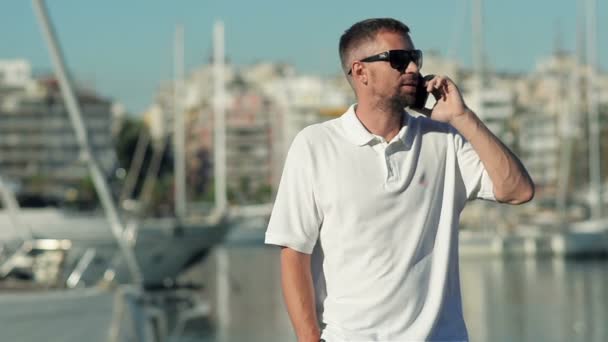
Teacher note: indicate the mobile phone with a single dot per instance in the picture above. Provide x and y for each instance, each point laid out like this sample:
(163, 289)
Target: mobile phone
(421, 94)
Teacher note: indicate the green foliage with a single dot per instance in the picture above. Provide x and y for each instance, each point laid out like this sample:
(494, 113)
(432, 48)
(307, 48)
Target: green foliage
(127, 140)
(126, 145)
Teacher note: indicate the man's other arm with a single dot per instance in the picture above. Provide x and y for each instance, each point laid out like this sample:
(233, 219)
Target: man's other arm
(299, 295)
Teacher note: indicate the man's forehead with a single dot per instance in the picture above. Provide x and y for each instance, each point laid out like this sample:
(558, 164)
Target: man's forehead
(390, 39)
(380, 42)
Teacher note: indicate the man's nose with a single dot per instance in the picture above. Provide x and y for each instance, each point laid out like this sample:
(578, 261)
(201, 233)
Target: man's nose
(412, 68)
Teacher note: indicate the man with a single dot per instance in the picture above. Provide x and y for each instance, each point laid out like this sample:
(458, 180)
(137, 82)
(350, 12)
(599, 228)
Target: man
(368, 206)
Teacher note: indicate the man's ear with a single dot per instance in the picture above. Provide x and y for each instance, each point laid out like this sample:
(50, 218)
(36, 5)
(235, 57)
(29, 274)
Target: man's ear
(359, 73)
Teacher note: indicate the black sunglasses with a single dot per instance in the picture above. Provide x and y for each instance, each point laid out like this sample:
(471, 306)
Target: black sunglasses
(399, 59)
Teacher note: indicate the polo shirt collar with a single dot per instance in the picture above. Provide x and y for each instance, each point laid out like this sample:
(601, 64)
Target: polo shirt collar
(359, 135)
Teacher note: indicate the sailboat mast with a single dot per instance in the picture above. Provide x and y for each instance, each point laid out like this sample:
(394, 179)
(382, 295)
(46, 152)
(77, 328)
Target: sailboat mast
(593, 118)
(179, 163)
(219, 106)
(478, 48)
(570, 122)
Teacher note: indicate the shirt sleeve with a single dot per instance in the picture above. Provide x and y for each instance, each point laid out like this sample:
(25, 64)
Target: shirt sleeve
(476, 180)
(295, 218)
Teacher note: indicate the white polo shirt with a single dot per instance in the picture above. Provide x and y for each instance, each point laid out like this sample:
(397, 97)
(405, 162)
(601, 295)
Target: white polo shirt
(381, 220)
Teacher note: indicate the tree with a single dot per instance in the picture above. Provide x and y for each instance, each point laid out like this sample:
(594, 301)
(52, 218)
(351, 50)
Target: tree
(126, 143)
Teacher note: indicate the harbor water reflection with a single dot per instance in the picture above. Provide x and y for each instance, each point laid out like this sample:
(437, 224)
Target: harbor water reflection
(517, 299)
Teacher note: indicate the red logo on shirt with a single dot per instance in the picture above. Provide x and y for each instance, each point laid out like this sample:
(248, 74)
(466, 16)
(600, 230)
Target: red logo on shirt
(422, 180)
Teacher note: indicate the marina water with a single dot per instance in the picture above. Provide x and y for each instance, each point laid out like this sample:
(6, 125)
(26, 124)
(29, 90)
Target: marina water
(504, 299)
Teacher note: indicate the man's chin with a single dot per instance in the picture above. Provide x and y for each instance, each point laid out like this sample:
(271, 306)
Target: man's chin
(404, 101)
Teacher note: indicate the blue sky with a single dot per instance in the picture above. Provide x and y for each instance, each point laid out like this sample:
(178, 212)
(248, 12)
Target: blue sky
(124, 48)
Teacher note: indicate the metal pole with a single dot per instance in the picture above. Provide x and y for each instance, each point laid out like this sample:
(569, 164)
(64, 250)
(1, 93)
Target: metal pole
(570, 120)
(224, 289)
(593, 120)
(478, 55)
(219, 104)
(82, 138)
(179, 141)
(567, 129)
(286, 126)
(478, 84)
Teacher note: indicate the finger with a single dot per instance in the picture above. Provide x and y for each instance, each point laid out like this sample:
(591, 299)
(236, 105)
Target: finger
(430, 85)
(439, 82)
(439, 91)
(444, 86)
(437, 94)
(435, 81)
(449, 83)
(442, 90)
(439, 87)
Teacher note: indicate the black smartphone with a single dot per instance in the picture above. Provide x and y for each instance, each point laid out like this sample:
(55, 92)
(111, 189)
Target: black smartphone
(421, 94)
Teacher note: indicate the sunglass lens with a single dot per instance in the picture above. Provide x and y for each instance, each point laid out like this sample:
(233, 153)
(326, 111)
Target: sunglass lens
(401, 59)
(417, 54)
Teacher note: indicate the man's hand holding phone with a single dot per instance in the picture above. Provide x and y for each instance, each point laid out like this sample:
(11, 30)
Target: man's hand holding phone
(449, 105)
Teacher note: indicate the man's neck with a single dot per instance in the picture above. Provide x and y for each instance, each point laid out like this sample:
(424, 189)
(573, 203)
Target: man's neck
(380, 120)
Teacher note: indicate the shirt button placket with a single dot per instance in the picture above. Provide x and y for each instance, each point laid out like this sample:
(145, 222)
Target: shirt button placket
(387, 160)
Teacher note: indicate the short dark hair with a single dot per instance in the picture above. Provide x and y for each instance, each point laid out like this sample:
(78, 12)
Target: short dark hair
(366, 30)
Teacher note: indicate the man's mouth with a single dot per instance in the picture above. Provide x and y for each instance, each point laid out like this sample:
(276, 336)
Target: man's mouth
(410, 83)
(409, 86)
